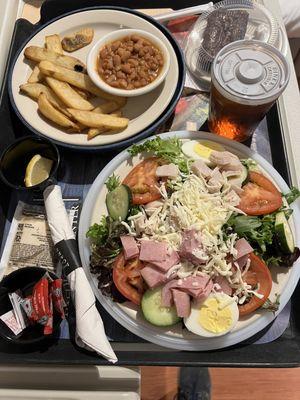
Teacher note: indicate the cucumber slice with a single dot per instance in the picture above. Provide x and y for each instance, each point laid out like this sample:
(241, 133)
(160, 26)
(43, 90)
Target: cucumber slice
(244, 174)
(154, 312)
(118, 202)
(241, 178)
(284, 233)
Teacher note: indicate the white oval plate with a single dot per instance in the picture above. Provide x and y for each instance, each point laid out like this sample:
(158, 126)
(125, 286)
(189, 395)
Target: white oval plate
(284, 280)
(142, 110)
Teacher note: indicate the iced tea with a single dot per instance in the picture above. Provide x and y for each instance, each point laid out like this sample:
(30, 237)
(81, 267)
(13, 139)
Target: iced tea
(248, 76)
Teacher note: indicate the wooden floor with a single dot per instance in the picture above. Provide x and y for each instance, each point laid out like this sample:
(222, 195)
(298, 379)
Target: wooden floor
(160, 383)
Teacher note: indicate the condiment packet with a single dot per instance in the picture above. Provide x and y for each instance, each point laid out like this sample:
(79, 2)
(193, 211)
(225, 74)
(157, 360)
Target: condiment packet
(38, 306)
(11, 322)
(57, 296)
(16, 299)
(191, 112)
(46, 296)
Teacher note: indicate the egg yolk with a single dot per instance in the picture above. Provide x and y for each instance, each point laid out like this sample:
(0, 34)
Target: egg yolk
(205, 148)
(213, 319)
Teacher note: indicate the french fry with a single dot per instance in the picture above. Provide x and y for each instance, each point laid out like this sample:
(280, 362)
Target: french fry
(68, 95)
(82, 93)
(52, 42)
(96, 120)
(78, 39)
(93, 132)
(39, 54)
(46, 108)
(77, 79)
(35, 75)
(34, 90)
(108, 107)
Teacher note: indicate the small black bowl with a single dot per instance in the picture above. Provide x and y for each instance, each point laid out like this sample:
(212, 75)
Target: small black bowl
(24, 279)
(15, 158)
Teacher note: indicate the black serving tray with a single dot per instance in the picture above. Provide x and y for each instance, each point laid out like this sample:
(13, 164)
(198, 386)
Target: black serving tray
(283, 352)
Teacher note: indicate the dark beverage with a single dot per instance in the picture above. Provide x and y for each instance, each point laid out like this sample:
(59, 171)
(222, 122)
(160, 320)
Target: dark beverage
(247, 78)
(232, 120)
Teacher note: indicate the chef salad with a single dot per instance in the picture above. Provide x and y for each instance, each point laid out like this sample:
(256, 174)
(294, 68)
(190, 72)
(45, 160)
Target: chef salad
(191, 235)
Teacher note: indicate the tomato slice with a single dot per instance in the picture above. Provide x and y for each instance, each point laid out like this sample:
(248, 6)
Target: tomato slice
(258, 273)
(143, 181)
(260, 196)
(127, 278)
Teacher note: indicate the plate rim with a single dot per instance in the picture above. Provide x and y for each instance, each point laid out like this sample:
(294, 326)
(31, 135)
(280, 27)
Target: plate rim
(138, 136)
(189, 344)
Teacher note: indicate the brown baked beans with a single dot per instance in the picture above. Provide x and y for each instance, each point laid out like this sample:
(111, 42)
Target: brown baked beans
(130, 63)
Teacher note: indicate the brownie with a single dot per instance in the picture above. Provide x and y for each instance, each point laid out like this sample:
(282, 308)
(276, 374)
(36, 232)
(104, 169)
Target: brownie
(223, 27)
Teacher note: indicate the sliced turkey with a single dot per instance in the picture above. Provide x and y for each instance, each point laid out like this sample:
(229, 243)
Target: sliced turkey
(200, 169)
(167, 171)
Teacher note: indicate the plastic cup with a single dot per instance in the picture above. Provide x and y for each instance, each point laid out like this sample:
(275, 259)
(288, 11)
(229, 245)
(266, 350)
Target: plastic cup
(248, 76)
(16, 157)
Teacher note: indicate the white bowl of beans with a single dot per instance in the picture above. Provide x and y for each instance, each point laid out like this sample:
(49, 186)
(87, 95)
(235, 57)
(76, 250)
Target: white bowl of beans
(128, 62)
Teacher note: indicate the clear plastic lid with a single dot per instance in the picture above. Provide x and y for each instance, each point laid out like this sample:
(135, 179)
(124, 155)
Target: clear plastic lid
(225, 22)
(250, 72)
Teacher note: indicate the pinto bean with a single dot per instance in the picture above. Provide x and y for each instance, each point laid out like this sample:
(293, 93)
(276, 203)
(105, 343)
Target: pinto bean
(129, 63)
(125, 55)
(116, 60)
(126, 68)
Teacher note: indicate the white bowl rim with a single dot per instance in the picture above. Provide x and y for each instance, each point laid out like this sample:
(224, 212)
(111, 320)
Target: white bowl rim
(93, 54)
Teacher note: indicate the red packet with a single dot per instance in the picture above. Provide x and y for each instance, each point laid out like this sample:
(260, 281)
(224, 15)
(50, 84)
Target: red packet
(38, 306)
(57, 297)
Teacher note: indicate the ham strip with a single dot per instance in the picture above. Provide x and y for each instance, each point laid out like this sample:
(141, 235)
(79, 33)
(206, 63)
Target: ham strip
(182, 303)
(224, 285)
(153, 251)
(171, 260)
(191, 247)
(130, 248)
(152, 276)
(242, 247)
(198, 287)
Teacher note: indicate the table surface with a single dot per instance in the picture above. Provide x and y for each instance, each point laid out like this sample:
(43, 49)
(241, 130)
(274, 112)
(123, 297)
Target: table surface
(238, 355)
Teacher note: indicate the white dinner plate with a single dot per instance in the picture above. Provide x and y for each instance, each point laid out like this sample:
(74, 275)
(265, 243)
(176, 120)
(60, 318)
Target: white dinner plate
(141, 110)
(284, 279)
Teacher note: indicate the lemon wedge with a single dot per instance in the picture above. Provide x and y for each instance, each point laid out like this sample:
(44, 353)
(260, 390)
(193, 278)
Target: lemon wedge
(37, 170)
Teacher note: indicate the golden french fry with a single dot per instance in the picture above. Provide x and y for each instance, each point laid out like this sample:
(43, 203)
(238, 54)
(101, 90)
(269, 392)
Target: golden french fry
(77, 79)
(82, 93)
(68, 95)
(108, 107)
(95, 120)
(33, 90)
(52, 42)
(78, 39)
(54, 115)
(93, 132)
(39, 54)
(35, 75)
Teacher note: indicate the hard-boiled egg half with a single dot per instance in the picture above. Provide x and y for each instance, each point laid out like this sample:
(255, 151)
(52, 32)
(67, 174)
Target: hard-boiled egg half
(200, 149)
(216, 316)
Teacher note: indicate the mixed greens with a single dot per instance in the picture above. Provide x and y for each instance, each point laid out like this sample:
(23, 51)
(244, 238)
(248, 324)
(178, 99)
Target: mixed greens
(167, 149)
